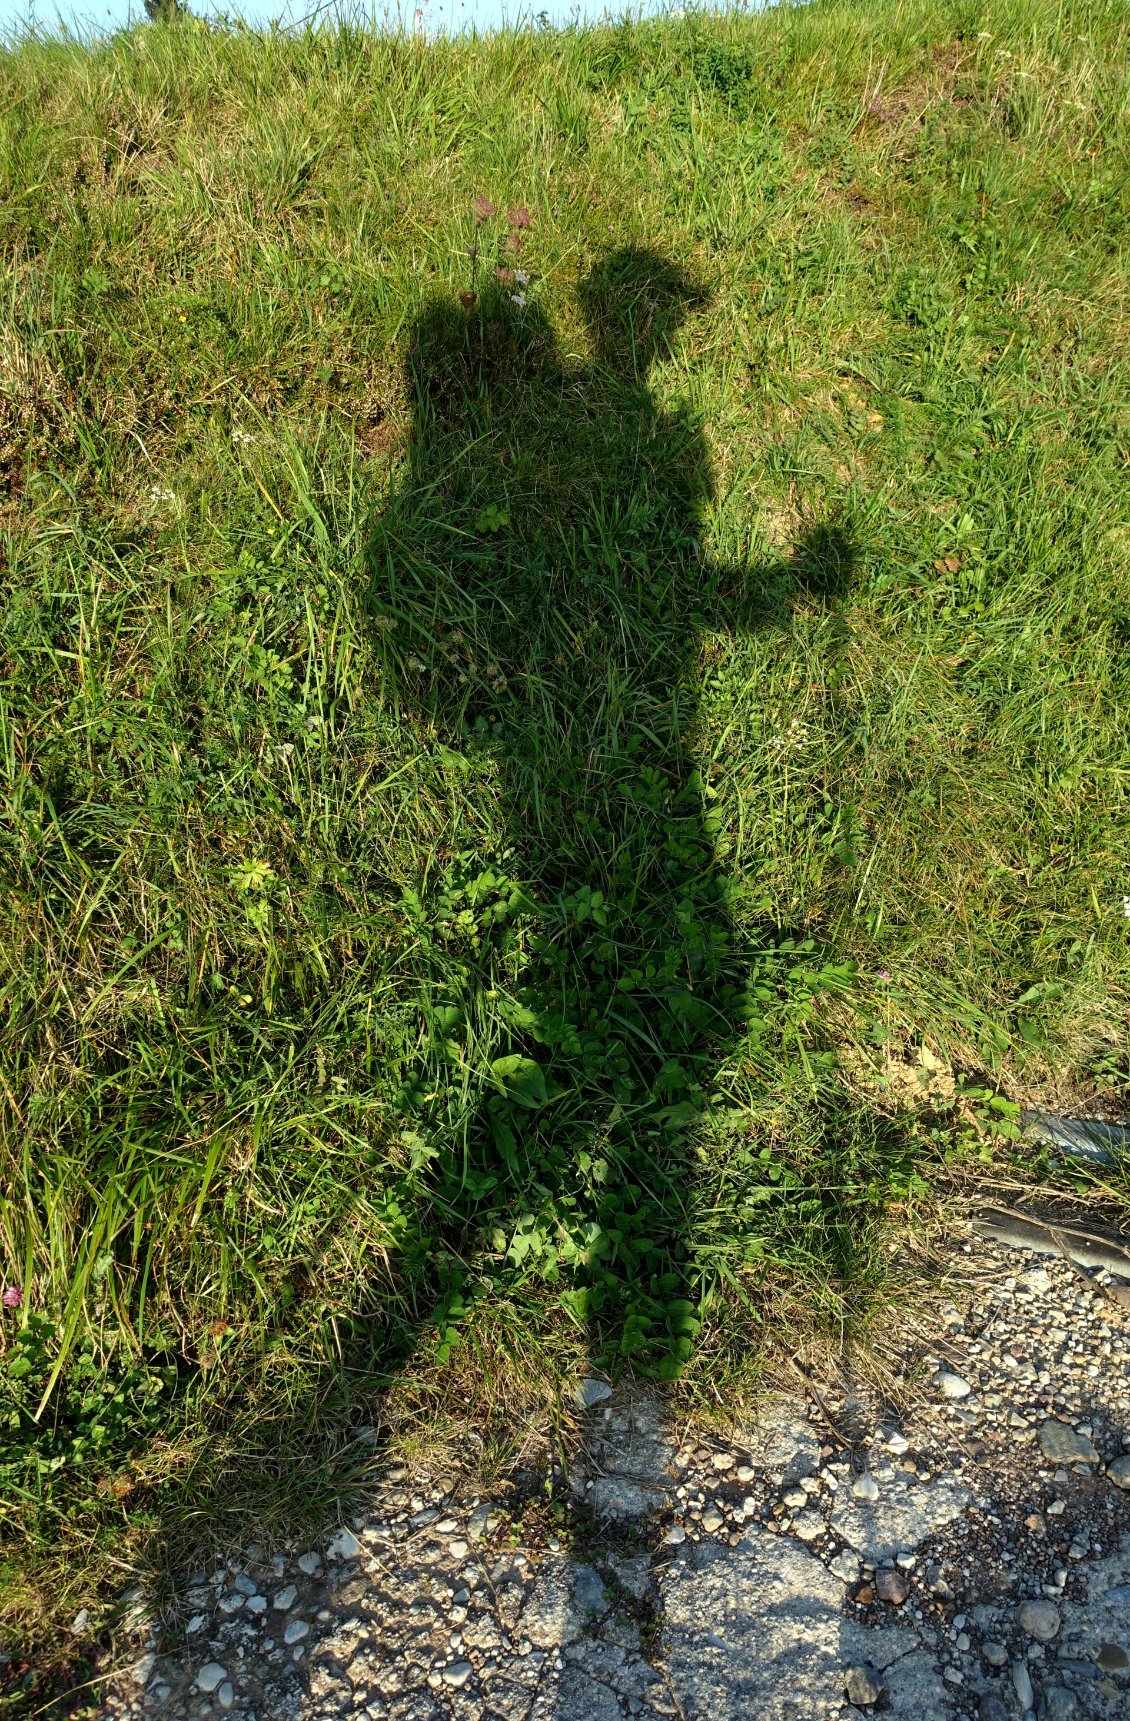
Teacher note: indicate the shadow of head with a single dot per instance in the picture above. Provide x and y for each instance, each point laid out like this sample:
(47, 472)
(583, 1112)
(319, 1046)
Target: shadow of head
(634, 303)
(460, 350)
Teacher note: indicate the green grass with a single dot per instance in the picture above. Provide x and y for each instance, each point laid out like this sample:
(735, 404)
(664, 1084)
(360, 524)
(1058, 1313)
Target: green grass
(494, 796)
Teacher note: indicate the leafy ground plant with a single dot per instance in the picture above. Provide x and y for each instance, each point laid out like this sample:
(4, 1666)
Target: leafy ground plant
(540, 790)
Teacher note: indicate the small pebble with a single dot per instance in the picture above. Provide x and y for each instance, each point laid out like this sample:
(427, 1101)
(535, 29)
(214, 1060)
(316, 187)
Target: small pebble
(1022, 1685)
(892, 1586)
(862, 1686)
(1059, 1442)
(344, 1546)
(143, 1668)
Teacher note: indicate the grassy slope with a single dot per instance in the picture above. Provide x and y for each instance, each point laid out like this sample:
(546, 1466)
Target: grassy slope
(304, 784)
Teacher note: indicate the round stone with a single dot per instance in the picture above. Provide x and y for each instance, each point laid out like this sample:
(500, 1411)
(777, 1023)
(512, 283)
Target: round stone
(211, 1675)
(1038, 1619)
(990, 1708)
(1112, 1658)
(675, 1535)
(1119, 1472)
(995, 1654)
(458, 1674)
(865, 1487)
(225, 1696)
(295, 1632)
(952, 1385)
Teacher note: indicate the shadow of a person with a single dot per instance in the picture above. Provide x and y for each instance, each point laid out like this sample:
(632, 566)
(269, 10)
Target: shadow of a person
(541, 599)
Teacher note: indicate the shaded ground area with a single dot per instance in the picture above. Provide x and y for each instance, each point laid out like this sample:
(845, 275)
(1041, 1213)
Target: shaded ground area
(967, 1558)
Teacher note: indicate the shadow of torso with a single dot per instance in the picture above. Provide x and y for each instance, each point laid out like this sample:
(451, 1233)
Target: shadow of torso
(541, 596)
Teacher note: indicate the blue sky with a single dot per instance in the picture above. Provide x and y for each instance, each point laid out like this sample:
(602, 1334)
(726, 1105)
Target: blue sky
(450, 13)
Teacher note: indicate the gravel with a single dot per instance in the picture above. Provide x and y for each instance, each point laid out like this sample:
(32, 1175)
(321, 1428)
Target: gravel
(965, 1560)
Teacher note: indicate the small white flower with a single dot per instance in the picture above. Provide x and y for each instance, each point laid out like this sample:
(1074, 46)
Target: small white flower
(160, 494)
(238, 435)
(521, 277)
(517, 298)
(1126, 906)
(796, 735)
